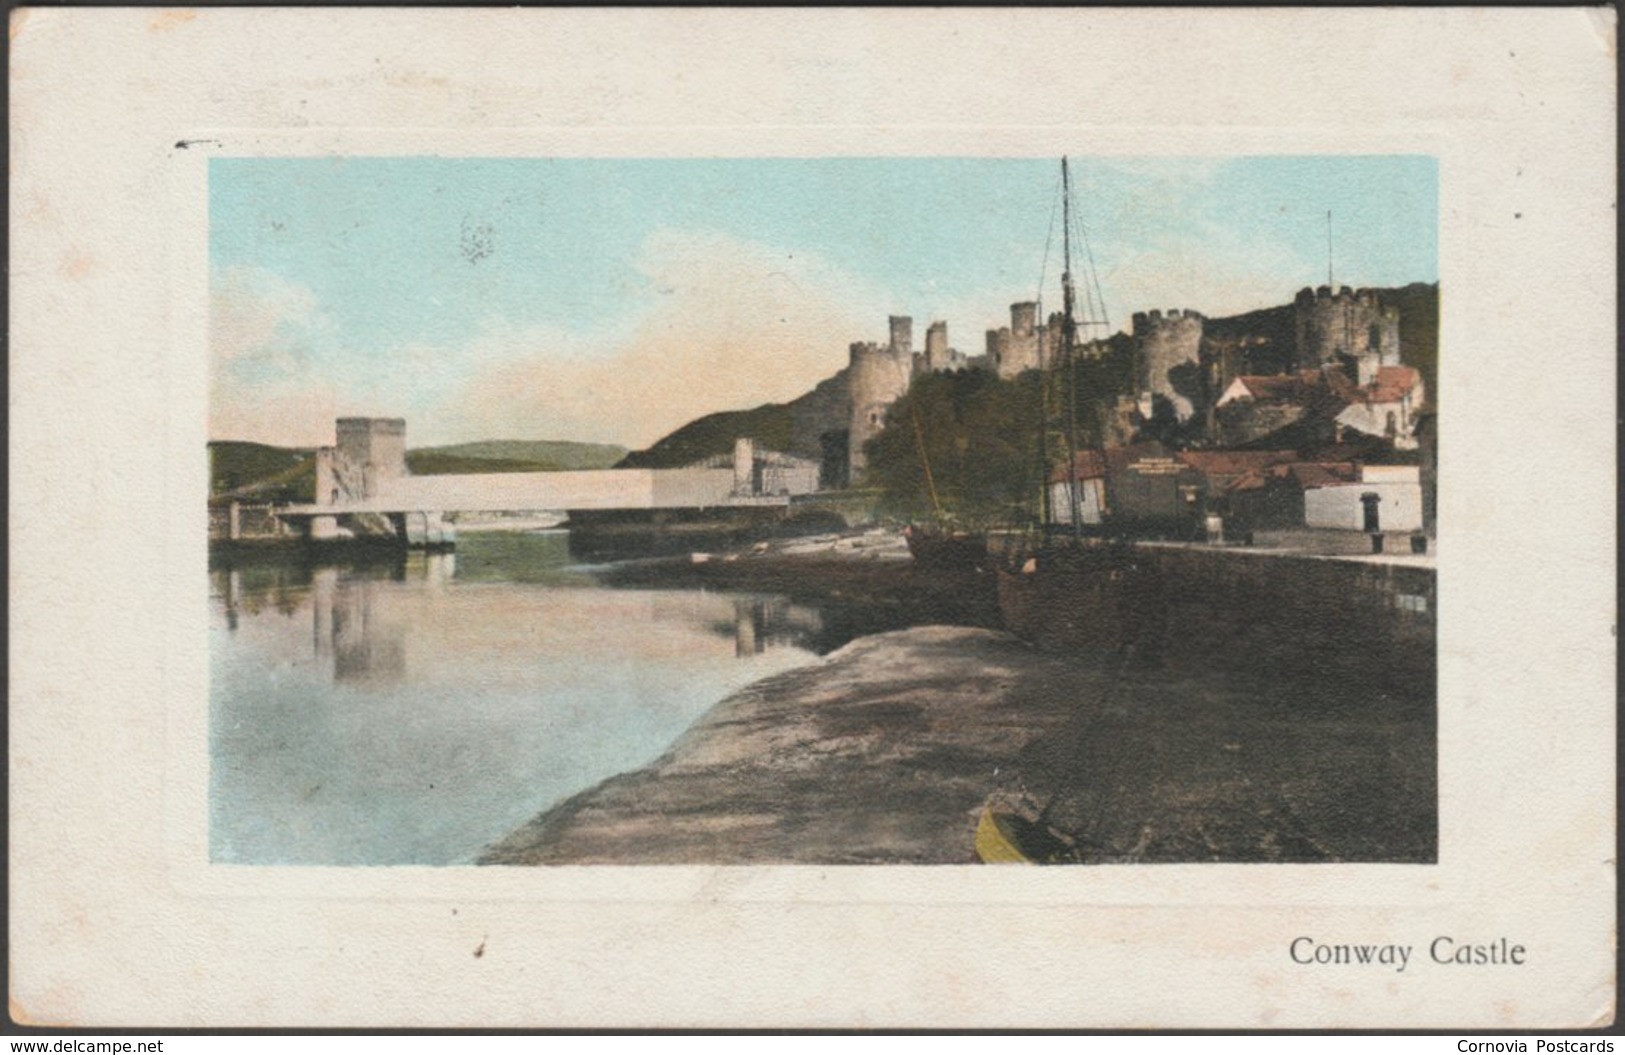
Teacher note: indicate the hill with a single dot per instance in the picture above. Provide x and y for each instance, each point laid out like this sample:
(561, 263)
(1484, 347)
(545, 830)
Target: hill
(546, 454)
(262, 472)
(439, 463)
(770, 424)
(1418, 305)
(803, 427)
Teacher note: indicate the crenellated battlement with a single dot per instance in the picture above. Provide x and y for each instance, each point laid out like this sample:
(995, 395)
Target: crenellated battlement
(1143, 321)
(1165, 344)
(1349, 328)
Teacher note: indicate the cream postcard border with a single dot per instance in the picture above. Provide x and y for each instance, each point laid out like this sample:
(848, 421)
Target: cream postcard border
(119, 918)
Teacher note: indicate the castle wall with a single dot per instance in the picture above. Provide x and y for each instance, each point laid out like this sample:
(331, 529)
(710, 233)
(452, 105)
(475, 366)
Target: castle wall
(1163, 343)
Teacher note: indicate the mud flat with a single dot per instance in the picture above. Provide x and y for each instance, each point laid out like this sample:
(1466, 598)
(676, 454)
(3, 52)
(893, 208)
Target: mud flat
(868, 576)
(887, 750)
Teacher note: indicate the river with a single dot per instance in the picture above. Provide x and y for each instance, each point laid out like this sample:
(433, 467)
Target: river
(440, 709)
(415, 709)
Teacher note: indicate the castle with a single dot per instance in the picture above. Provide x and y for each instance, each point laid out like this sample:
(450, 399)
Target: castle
(1186, 366)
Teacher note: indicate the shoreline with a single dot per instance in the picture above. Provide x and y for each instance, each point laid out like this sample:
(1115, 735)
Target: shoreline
(887, 750)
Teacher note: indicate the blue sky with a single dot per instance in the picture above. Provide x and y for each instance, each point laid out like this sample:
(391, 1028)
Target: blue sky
(612, 300)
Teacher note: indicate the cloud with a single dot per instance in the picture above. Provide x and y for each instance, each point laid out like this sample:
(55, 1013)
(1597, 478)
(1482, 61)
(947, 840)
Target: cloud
(265, 334)
(728, 324)
(720, 324)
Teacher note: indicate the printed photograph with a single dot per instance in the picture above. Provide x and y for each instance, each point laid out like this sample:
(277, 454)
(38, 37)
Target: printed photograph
(1060, 510)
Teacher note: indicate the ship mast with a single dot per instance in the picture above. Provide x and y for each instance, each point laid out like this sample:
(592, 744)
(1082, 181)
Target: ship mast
(1069, 348)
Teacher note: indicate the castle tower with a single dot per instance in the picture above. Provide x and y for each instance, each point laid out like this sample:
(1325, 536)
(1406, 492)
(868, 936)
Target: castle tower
(1348, 329)
(902, 335)
(1023, 318)
(936, 347)
(997, 341)
(327, 480)
(1167, 350)
(1015, 350)
(877, 376)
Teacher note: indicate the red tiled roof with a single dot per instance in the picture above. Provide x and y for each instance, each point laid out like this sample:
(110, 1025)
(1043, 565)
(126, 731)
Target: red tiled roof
(1233, 463)
(1279, 388)
(1321, 392)
(1250, 481)
(1302, 475)
(1320, 474)
(1391, 384)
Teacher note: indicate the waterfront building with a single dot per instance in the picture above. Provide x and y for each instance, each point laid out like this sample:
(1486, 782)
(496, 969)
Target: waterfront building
(1385, 498)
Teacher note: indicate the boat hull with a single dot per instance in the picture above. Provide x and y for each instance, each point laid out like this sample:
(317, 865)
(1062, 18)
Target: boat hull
(1085, 598)
(946, 551)
(1007, 837)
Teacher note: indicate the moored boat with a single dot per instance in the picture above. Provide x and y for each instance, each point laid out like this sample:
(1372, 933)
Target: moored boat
(1085, 595)
(945, 549)
(1006, 834)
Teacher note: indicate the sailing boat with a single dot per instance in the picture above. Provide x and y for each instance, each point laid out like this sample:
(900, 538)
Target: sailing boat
(1079, 593)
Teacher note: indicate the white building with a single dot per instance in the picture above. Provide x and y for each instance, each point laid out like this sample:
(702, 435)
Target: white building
(1388, 406)
(1398, 489)
(1089, 477)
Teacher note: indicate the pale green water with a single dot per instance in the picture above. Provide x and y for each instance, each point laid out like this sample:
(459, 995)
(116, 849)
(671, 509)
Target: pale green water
(413, 712)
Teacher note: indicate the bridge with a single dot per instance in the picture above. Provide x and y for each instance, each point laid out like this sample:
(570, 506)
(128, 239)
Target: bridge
(365, 475)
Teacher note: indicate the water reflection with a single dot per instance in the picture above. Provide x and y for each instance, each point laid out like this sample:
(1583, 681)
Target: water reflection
(412, 710)
(760, 623)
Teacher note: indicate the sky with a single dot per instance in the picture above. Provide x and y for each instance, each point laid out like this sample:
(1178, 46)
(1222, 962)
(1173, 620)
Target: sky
(613, 300)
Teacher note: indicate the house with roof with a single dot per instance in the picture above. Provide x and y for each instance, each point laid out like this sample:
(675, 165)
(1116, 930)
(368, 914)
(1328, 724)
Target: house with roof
(1283, 410)
(1316, 407)
(1384, 498)
(1388, 407)
(1273, 497)
(1088, 480)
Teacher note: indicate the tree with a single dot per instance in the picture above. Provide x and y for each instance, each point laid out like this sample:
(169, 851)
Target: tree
(977, 434)
(980, 436)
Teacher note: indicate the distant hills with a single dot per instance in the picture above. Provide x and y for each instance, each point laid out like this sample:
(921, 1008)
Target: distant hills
(535, 455)
(263, 473)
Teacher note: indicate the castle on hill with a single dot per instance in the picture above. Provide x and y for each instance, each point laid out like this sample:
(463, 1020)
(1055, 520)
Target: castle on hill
(1329, 362)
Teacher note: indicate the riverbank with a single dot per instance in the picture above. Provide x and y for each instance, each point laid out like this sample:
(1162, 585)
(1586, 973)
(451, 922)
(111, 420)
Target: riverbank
(887, 751)
(866, 577)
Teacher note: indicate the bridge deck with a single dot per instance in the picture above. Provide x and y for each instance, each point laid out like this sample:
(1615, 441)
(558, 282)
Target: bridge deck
(591, 489)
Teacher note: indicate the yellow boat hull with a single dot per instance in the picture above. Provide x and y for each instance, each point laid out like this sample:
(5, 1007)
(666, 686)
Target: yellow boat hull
(994, 845)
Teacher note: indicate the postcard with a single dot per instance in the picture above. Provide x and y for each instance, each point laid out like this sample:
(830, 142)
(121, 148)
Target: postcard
(890, 527)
